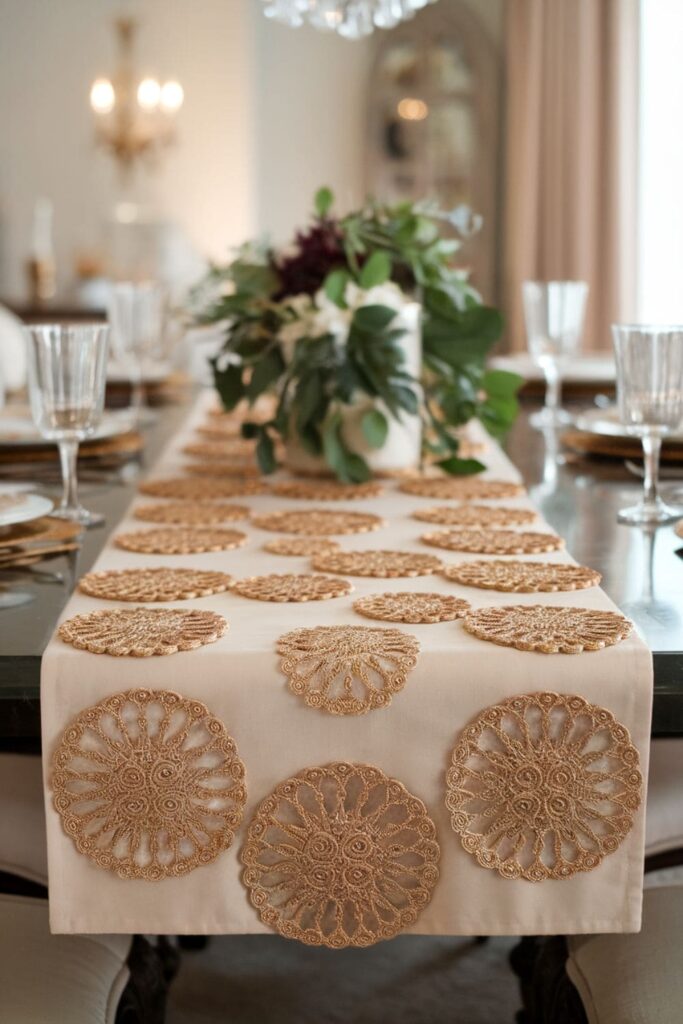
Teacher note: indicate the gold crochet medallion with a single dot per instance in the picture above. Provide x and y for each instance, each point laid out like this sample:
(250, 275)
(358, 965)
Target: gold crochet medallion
(154, 584)
(409, 606)
(327, 490)
(292, 587)
(494, 542)
(187, 489)
(218, 470)
(381, 564)
(341, 855)
(221, 450)
(142, 632)
(543, 786)
(148, 784)
(300, 545)
(318, 521)
(523, 577)
(476, 515)
(191, 513)
(461, 488)
(179, 540)
(347, 670)
(548, 629)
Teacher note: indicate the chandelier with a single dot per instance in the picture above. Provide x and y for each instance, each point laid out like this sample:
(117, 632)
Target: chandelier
(135, 116)
(352, 19)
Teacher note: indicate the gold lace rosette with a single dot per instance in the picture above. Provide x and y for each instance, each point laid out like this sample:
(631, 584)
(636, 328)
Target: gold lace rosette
(412, 606)
(197, 489)
(321, 522)
(494, 542)
(548, 629)
(347, 670)
(522, 577)
(543, 786)
(142, 632)
(190, 513)
(461, 488)
(340, 856)
(327, 490)
(154, 584)
(148, 784)
(381, 564)
(476, 515)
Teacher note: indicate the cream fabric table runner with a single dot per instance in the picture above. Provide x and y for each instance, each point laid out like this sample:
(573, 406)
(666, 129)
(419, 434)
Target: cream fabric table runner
(456, 677)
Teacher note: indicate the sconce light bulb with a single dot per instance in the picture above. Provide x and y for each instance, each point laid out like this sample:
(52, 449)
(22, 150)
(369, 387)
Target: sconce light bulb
(149, 94)
(102, 96)
(172, 96)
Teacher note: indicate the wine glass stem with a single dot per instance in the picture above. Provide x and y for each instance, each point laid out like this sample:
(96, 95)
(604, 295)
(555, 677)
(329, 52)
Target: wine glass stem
(68, 453)
(651, 448)
(553, 388)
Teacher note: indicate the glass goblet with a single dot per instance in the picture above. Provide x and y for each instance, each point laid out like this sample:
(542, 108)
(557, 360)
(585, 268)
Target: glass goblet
(649, 363)
(137, 313)
(554, 313)
(67, 365)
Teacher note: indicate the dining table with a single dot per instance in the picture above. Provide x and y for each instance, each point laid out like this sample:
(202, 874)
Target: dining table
(642, 571)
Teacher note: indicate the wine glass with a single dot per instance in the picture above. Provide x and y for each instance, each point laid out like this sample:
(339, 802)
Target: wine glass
(67, 365)
(136, 316)
(650, 398)
(554, 313)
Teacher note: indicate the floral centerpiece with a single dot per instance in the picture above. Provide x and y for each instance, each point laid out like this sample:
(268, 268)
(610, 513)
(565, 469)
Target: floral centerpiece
(373, 343)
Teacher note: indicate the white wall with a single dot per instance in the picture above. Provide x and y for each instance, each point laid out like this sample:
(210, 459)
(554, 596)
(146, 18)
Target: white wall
(50, 51)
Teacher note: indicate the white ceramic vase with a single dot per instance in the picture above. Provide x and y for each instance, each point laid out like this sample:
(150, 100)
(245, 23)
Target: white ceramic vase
(403, 444)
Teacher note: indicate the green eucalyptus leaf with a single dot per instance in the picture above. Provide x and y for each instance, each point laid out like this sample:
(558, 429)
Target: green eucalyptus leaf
(334, 286)
(254, 280)
(501, 383)
(375, 428)
(356, 469)
(376, 270)
(324, 198)
(373, 318)
(266, 372)
(229, 384)
(265, 452)
(461, 467)
(251, 430)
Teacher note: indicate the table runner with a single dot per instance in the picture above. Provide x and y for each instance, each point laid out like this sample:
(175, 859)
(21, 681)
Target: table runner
(239, 678)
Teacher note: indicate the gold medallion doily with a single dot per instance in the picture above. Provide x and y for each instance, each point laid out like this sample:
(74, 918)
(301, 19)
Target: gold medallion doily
(148, 784)
(494, 542)
(408, 606)
(347, 670)
(327, 490)
(179, 540)
(547, 629)
(142, 632)
(300, 545)
(462, 488)
(154, 584)
(381, 564)
(191, 513)
(219, 470)
(187, 489)
(221, 430)
(523, 577)
(222, 450)
(292, 587)
(476, 515)
(341, 855)
(543, 786)
(318, 521)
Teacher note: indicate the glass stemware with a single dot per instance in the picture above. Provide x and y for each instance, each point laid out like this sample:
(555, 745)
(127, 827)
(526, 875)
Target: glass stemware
(649, 364)
(67, 365)
(137, 312)
(554, 313)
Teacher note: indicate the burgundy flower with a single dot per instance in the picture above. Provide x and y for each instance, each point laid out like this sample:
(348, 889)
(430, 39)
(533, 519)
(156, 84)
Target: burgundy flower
(318, 251)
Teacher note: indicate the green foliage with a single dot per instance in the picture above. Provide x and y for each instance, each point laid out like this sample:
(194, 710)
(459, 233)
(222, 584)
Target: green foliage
(404, 243)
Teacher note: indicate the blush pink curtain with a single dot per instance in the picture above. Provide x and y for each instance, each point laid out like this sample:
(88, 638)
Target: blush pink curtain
(571, 155)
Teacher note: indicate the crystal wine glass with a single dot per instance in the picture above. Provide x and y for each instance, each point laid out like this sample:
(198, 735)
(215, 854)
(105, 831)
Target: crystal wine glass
(554, 313)
(136, 315)
(650, 397)
(67, 365)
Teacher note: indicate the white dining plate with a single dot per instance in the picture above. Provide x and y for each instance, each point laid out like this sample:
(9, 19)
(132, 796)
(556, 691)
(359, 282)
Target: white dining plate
(606, 423)
(18, 431)
(20, 507)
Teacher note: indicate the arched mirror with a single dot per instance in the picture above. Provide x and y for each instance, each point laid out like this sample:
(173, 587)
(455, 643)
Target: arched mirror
(435, 125)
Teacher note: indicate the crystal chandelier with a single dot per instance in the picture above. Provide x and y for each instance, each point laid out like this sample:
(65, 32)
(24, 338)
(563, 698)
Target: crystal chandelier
(352, 19)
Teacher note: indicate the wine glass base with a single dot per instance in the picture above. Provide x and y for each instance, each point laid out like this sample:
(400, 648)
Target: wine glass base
(649, 515)
(79, 515)
(550, 419)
